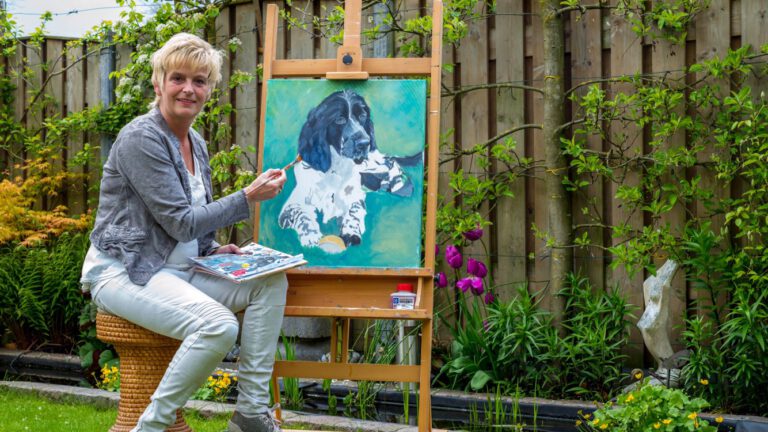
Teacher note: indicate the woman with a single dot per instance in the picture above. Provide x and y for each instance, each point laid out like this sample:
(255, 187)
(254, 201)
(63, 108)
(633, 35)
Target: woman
(155, 211)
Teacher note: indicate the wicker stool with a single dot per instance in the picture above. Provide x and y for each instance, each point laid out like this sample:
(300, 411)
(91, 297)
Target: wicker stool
(144, 356)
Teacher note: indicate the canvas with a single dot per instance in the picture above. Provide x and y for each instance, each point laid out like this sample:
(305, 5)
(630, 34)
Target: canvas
(355, 198)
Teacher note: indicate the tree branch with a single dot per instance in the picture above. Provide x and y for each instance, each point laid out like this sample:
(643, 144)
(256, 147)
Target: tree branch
(467, 89)
(583, 8)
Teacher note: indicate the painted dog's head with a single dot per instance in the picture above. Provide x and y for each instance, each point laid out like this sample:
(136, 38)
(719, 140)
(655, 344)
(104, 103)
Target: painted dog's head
(342, 121)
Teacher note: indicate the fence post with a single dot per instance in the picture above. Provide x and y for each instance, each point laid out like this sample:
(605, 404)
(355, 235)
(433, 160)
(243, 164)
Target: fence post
(383, 46)
(106, 67)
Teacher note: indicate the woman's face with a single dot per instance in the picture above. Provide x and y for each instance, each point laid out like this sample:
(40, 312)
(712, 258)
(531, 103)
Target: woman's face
(184, 92)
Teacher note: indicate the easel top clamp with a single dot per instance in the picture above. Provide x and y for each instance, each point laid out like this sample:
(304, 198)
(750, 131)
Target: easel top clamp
(319, 291)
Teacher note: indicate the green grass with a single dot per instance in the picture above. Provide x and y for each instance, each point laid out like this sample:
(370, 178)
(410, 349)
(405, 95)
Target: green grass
(22, 412)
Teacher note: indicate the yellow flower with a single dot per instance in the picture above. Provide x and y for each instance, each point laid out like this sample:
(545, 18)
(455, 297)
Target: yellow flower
(234, 378)
(704, 381)
(578, 422)
(638, 374)
(587, 416)
(692, 416)
(630, 398)
(656, 425)
(596, 421)
(604, 426)
(719, 419)
(666, 421)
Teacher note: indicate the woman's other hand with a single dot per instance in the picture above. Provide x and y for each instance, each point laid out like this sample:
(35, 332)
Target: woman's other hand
(266, 186)
(228, 249)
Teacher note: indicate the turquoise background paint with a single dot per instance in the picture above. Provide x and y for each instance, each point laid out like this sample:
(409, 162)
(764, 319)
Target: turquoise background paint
(393, 224)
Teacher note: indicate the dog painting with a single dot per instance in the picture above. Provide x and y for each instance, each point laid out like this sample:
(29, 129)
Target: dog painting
(354, 199)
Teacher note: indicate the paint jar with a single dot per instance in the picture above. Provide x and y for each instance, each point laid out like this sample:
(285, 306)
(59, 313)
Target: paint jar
(404, 298)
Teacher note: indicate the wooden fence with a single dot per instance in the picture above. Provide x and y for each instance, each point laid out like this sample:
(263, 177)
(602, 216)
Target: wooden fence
(505, 47)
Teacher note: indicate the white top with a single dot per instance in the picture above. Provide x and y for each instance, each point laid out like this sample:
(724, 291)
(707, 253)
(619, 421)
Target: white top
(98, 265)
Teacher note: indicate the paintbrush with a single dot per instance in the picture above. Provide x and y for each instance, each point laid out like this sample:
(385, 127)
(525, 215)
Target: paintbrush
(295, 161)
(277, 173)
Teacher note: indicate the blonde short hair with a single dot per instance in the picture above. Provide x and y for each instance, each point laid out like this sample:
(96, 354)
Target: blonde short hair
(185, 50)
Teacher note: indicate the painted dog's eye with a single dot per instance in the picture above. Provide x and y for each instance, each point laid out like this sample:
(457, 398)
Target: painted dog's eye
(363, 117)
(340, 120)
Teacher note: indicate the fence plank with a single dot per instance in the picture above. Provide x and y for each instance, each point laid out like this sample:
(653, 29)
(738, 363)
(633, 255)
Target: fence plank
(626, 59)
(301, 43)
(34, 103)
(538, 269)
(509, 228)
(223, 35)
(586, 65)
(93, 99)
(75, 102)
(55, 91)
(326, 49)
(4, 155)
(443, 298)
(246, 96)
(712, 40)
(668, 60)
(473, 69)
(17, 149)
(123, 55)
(754, 22)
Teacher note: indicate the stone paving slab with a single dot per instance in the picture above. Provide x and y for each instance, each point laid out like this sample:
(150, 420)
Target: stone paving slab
(106, 399)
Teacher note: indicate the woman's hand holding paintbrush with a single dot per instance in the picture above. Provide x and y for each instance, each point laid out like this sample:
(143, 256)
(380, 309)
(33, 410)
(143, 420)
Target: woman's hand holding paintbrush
(269, 183)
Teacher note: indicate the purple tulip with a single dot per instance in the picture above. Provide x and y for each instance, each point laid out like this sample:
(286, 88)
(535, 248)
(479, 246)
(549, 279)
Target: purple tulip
(453, 257)
(441, 281)
(476, 268)
(489, 298)
(474, 234)
(476, 285)
(464, 284)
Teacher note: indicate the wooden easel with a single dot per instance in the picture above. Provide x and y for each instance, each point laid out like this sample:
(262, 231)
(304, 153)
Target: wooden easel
(362, 293)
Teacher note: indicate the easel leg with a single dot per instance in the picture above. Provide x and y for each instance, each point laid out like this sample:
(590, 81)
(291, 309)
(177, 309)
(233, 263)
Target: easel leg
(425, 397)
(276, 397)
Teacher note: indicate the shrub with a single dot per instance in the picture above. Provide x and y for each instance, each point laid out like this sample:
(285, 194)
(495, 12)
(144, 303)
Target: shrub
(40, 298)
(649, 408)
(514, 344)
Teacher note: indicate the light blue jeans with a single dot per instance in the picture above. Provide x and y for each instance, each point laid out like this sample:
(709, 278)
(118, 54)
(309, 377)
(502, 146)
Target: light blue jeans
(198, 309)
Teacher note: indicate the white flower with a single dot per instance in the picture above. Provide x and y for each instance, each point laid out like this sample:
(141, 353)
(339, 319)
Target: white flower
(126, 98)
(142, 58)
(235, 41)
(125, 82)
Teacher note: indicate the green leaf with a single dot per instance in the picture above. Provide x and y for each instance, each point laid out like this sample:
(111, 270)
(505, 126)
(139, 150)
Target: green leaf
(479, 380)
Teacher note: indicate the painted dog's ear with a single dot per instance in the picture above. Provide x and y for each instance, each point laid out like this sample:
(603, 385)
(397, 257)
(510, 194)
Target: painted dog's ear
(313, 147)
(369, 129)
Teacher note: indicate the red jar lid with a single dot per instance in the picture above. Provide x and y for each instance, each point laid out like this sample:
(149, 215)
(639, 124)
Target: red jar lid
(405, 287)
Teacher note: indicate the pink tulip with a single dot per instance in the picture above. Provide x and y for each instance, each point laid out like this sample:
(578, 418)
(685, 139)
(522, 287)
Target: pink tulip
(441, 281)
(464, 284)
(477, 268)
(453, 256)
(489, 297)
(476, 285)
(473, 234)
